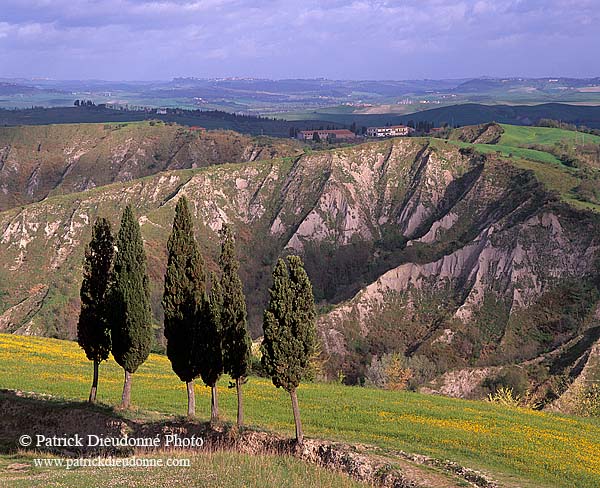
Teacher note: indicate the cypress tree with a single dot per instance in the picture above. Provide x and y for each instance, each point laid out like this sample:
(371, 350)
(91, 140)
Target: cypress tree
(236, 338)
(130, 302)
(289, 330)
(210, 343)
(183, 297)
(93, 328)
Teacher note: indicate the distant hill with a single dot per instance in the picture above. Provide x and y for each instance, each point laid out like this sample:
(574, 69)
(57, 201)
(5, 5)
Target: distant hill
(17, 89)
(474, 113)
(213, 119)
(488, 85)
(301, 97)
(11, 89)
(454, 115)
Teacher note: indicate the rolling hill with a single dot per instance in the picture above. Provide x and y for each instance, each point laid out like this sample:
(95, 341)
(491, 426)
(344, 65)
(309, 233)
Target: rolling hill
(209, 119)
(468, 114)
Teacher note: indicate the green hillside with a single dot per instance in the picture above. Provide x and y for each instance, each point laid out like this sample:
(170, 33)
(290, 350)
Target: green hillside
(513, 151)
(520, 136)
(518, 447)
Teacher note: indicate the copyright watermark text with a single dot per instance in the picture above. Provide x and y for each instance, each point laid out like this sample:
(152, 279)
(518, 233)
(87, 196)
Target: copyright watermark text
(111, 462)
(97, 441)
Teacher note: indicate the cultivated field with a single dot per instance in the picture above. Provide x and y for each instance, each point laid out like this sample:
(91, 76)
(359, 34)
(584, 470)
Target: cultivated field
(519, 447)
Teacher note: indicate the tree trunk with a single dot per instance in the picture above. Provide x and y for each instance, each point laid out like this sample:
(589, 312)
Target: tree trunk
(240, 413)
(299, 434)
(92, 398)
(214, 405)
(126, 398)
(191, 399)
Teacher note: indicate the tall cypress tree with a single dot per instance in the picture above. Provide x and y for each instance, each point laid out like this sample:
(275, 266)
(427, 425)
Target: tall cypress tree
(236, 338)
(129, 295)
(183, 298)
(210, 343)
(289, 330)
(93, 328)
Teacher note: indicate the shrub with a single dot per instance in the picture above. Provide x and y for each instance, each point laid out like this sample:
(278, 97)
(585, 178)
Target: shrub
(397, 374)
(511, 377)
(390, 371)
(375, 374)
(423, 369)
(505, 396)
(587, 401)
(256, 367)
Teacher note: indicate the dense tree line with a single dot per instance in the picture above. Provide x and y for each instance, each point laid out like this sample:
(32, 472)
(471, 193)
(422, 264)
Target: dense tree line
(557, 124)
(205, 322)
(421, 126)
(84, 103)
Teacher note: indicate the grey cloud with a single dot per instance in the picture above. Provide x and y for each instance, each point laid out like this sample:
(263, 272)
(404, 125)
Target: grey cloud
(352, 38)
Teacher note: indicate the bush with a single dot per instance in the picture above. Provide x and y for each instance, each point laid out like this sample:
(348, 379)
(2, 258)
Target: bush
(256, 367)
(505, 396)
(587, 401)
(513, 378)
(398, 375)
(375, 374)
(423, 369)
(390, 371)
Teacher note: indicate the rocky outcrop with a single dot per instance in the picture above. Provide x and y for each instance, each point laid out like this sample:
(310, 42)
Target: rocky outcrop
(581, 396)
(36, 162)
(478, 134)
(514, 261)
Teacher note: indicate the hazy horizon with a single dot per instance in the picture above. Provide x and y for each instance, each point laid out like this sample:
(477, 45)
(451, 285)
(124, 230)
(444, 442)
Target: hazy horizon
(242, 77)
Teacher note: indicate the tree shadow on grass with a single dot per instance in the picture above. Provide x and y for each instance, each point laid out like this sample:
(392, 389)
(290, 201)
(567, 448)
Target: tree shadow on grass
(34, 415)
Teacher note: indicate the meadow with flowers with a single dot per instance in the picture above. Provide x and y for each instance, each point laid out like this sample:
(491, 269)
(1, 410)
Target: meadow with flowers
(518, 447)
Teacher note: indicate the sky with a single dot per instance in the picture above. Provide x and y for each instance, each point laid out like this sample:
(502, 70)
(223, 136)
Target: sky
(363, 39)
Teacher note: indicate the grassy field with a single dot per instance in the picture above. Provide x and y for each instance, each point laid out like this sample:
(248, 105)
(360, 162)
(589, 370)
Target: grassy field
(520, 447)
(523, 136)
(220, 469)
(518, 152)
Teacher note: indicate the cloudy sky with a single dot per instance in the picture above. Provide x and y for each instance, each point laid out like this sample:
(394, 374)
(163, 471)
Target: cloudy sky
(363, 39)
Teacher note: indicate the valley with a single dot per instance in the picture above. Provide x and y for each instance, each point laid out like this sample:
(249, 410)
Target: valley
(454, 257)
